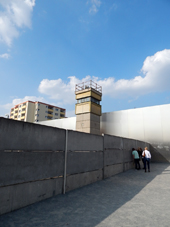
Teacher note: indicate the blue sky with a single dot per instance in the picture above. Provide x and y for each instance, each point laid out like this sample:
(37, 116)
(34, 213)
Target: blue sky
(46, 47)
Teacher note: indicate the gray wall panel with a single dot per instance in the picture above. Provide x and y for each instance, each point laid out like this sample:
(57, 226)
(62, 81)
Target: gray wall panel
(140, 144)
(79, 141)
(113, 156)
(127, 155)
(112, 170)
(80, 180)
(18, 167)
(112, 142)
(18, 135)
(18, 196)
(128, 144)
(78, 162)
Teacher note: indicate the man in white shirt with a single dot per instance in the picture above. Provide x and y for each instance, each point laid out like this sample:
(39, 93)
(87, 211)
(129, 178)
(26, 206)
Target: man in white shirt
(147, 157)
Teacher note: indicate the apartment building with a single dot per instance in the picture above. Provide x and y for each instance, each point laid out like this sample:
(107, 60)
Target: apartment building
(36, 111)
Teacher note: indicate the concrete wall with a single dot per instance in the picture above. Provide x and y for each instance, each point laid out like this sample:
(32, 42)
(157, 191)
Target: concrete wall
(151, 124)
(17, 135)
(38, 162)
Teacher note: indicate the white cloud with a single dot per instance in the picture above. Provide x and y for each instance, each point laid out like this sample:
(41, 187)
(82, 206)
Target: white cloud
(155, 78)
(7, 107)
(16, 14)
(95, 5)
(5, 56)
(59, 90)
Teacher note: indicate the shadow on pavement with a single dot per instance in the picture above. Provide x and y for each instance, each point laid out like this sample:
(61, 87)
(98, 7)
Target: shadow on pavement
(87, 206)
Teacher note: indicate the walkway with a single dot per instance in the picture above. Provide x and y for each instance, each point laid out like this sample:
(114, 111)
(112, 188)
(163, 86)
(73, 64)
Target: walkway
(133, 198)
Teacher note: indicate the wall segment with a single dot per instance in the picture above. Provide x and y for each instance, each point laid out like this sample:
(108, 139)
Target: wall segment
(33, 159)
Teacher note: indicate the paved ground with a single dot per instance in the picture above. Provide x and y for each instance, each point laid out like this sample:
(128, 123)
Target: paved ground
(133, 198)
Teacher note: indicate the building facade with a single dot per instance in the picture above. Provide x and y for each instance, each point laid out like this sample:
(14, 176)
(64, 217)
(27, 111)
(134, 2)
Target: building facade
(36, 111)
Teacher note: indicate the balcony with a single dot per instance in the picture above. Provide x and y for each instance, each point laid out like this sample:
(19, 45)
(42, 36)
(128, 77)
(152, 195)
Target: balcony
(50, 110)
(22, 117)
(62, 116)
(50, 115)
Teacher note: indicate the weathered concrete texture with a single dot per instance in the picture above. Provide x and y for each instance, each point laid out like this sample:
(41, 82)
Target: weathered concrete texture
(128, 165)
(111, 142)
(20, 195)
(133, 198)
(18, 135)
(113, 156)
(78, 180)
(78, 141)
(79, 162)
(127, 155)
(158, 156)
(19, 167)
(112, 170)
(88, 122)
(128, 144)
(141, 144)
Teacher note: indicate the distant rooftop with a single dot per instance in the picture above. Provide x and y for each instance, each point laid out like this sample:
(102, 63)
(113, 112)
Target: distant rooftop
(87, 85)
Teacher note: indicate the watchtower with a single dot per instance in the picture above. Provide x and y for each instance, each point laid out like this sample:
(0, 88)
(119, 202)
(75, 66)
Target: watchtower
(88, 108)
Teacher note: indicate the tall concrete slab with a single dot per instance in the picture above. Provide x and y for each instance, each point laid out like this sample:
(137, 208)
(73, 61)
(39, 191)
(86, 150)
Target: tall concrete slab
(19, 167)
(79, 141)
(20, 195)
(18, 135)
(79, 162)
(82, 179)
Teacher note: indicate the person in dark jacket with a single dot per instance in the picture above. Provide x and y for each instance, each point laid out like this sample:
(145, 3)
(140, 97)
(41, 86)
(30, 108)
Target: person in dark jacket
(139, 150)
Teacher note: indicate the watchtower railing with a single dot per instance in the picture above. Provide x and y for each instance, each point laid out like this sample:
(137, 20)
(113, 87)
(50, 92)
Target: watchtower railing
(88, 84)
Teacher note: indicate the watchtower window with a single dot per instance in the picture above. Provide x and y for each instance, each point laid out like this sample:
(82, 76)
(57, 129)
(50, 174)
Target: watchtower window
(88, 99)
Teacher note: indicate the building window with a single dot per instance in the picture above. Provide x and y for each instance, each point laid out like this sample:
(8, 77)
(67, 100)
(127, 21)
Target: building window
(49, 118)
(37, 115)
(56, 114)
(56, 109)
(88, 99)
(62, 111)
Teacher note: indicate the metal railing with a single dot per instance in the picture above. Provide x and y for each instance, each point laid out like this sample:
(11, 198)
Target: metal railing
(88, 84)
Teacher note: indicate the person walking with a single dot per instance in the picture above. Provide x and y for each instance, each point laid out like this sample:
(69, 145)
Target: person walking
(136, 158)
(147, 157)
(140, 155)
